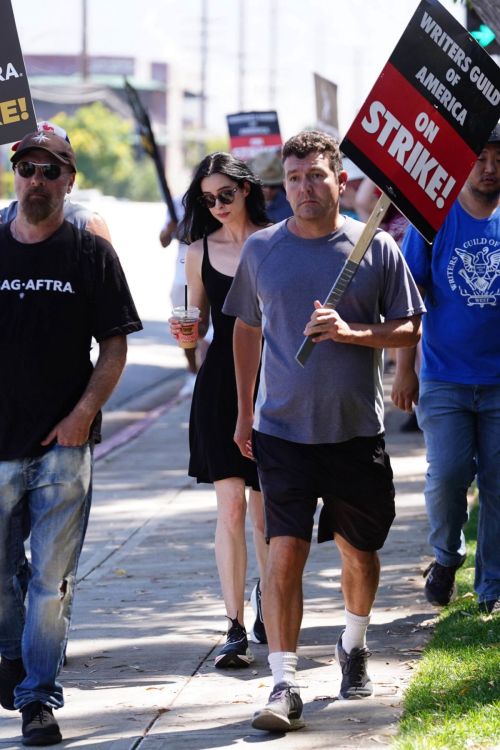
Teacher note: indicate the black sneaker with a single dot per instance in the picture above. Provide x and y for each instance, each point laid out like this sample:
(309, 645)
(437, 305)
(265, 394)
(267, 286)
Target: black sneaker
(236, 652)
(11, 674)
(283, 711)
(440, 586)
(258, 631)
(355, 680)
(490, 606)
(39, 726)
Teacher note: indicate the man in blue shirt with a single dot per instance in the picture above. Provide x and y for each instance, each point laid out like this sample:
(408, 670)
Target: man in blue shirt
(267, 165)
(458, 395)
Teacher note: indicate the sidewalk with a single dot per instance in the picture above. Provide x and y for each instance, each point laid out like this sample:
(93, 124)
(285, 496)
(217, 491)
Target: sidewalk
(149, 618)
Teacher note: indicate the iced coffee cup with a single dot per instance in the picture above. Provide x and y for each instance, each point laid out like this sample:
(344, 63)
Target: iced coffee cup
(188, 318)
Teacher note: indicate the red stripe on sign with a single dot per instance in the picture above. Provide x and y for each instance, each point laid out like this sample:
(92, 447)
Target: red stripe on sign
(272, 139)
(418, 151)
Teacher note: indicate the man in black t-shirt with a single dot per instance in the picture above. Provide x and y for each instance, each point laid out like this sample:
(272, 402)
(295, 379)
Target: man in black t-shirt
(59, 287)
(81, 217)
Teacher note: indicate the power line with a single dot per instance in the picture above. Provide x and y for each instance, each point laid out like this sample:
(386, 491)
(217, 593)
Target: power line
(84, 53)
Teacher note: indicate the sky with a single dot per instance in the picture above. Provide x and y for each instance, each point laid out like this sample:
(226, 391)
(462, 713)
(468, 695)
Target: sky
(345, 41)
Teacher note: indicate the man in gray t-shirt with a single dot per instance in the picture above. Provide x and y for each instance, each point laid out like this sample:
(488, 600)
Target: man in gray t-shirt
(317, 431)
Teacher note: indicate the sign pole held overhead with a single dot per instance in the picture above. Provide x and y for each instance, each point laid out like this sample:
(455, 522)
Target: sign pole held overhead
(149, 144)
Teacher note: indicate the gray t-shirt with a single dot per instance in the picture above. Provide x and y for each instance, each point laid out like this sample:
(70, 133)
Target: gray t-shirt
(338, 394)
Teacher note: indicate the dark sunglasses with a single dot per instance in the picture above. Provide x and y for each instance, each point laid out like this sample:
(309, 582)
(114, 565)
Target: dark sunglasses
(28, 168)
(223, 196)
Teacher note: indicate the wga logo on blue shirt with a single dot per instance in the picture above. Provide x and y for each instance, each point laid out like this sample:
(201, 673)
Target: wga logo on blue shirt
(475, 271)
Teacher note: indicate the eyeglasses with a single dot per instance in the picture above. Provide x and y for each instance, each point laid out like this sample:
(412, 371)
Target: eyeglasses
(225, 197)
(27, 169)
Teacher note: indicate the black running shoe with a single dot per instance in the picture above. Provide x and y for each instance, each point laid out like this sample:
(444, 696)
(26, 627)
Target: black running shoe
(490, 606)
(283, 711)
(355, 680)
(39, 726)
(440, 586)
(235, 653)
(258, 631)
(11, 674)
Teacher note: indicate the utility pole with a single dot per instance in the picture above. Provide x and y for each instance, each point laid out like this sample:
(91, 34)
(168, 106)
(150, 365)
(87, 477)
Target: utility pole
(84, 60)
(273, 47)
(241, 57)
(203, 74)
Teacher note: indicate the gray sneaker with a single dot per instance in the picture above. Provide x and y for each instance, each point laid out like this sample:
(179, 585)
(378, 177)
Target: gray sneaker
(355, 680)
(283, 711)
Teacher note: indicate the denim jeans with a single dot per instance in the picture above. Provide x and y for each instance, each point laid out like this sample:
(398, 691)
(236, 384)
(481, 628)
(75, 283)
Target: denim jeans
(55, 490)
(461, 425)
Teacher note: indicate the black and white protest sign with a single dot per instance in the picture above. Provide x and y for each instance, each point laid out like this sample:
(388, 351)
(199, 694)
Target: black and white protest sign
(17, 115)
(427, 117)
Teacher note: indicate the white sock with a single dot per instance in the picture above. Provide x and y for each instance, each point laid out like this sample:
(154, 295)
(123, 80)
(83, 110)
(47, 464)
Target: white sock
(283, 666)
(354, 635)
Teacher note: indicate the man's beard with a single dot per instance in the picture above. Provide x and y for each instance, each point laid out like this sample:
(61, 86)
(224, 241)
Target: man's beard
(38, 210)
(488, 197)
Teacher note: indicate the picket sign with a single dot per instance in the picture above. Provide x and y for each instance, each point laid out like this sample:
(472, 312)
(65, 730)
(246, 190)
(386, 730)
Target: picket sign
(17, 114)
(421, 128)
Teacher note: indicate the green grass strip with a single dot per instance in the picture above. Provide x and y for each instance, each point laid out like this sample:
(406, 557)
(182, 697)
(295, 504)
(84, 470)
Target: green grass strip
(453, 700)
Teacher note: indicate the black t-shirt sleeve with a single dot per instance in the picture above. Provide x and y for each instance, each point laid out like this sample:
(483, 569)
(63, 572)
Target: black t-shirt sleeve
(114, 311)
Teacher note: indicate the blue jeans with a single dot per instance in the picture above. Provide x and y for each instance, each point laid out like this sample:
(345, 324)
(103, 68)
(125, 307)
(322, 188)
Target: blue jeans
(55, 490)
(461, 425)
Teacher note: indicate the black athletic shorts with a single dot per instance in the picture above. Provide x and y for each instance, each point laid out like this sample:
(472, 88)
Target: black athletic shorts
(353, 478)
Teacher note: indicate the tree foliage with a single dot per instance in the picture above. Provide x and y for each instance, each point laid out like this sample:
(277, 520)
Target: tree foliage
(105, 155)
(6, 182)
(194, 151)
(487, 10)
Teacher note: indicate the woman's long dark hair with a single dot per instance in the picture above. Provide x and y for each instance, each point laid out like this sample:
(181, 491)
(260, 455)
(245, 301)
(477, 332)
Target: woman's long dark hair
(198, 221)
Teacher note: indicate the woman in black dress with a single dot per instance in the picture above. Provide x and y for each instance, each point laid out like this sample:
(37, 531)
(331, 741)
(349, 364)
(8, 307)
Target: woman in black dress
(223, 206)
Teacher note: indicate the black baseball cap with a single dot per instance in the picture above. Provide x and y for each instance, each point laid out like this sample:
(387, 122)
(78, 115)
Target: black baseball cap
(46, 140)
(494, 136)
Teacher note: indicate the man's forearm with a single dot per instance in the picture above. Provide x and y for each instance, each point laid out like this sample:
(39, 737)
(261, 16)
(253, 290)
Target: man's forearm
(247, 343)
(405, 359)
(326, 324)
(405, 386)
(391, 333)
(106, 374)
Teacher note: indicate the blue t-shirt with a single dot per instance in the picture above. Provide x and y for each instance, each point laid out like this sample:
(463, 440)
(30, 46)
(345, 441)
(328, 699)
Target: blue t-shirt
(461, 340)
(279, 208)
(338, 395)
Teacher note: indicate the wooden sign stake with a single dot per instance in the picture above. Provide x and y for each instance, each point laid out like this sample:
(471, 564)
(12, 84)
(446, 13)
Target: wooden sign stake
(349, 269)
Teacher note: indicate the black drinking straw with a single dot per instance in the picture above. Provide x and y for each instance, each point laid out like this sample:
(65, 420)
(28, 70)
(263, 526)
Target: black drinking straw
(185, 297)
